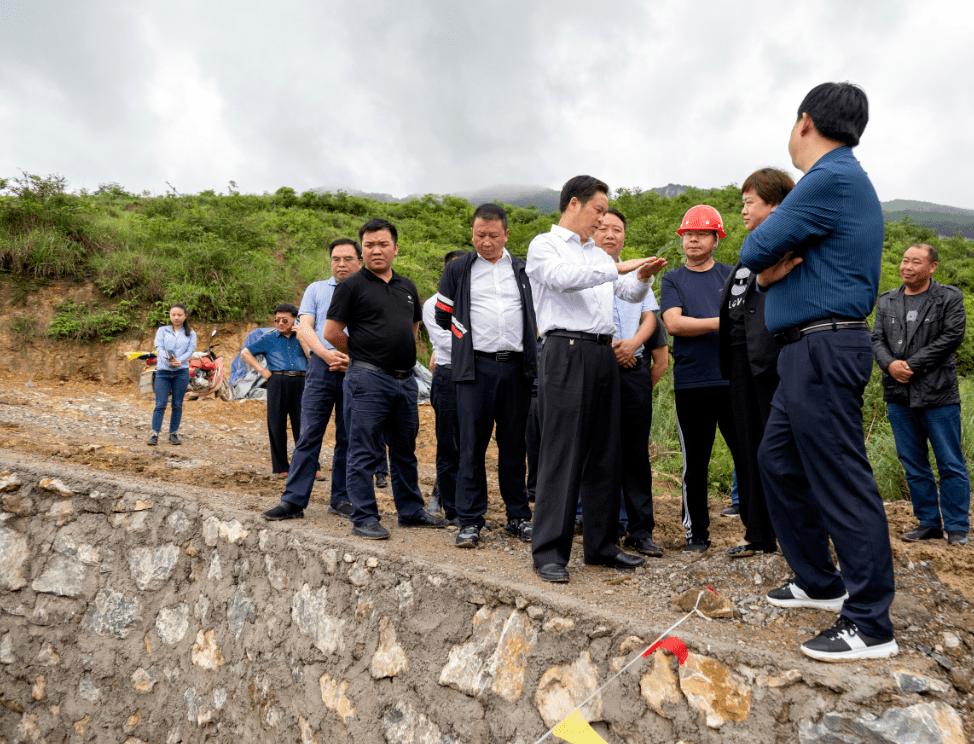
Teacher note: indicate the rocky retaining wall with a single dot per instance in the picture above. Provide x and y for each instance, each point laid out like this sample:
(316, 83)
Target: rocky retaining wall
(130, 614)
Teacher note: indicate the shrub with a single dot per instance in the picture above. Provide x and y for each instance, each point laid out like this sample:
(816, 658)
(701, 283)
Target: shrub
(83, 321)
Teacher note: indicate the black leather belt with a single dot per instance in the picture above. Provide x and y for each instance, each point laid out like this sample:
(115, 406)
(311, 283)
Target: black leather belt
(399, 374)
(596, 338)
(287, 373)
(790, 335)
(499, 356)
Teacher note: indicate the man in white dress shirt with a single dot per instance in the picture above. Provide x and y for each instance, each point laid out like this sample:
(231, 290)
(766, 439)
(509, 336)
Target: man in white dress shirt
(574, 282)
(485, 300)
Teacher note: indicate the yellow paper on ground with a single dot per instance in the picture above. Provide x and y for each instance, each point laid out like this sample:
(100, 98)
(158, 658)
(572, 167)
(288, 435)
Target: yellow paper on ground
(575, 730)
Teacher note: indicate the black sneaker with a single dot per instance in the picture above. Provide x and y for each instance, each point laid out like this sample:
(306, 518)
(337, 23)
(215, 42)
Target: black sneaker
(696, 545)
(731, 511)
(790, 595)
(284, 510)
(845, 642)
(174, 438)
(956, 537)
(923, 533)
(468, 536)
(380, 480)
(153, 439)
(371, 531)
(423, 519)
(342, 508)
(522, 529)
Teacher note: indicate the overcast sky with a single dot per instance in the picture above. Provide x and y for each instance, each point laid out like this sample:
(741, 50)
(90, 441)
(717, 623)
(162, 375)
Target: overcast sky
(440, 96)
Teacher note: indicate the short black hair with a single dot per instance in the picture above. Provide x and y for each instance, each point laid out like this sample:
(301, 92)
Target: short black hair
(489, 212)
(451, 255)
(617, 213)
(377, 225)
(582, 188)
(932, 253)
(345, 241)
(286, 307)
(840, 111)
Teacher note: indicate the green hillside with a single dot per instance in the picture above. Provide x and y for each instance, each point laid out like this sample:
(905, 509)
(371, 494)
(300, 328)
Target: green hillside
(943, 220)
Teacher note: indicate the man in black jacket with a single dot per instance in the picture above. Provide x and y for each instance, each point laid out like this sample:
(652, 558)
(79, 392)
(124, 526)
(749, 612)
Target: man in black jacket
(485, 300)
(918, 327)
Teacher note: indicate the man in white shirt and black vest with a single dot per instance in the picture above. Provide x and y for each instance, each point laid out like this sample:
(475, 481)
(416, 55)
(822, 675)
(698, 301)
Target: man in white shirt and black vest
(485, 300)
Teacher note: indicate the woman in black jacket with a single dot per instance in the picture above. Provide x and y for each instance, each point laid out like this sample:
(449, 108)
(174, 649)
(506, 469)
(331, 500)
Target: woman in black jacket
(748, 358)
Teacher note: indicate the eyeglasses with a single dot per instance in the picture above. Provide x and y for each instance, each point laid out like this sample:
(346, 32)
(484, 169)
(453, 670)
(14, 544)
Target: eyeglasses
(283, 320)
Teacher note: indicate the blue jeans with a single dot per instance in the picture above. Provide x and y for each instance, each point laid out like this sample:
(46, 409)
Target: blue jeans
(169, 382)
(378, 407)
(912, 429)
(322, 392)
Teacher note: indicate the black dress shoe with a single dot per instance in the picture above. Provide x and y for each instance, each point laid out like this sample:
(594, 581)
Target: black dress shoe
(284, 510)
(380, 480)
(553, 572)
(621, 560)
(342, 508)
(644, 545)
(423, 519)
(371, 531)
(923, 533)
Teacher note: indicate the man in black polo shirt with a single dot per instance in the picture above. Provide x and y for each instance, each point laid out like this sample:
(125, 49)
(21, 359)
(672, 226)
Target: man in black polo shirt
(381, 311)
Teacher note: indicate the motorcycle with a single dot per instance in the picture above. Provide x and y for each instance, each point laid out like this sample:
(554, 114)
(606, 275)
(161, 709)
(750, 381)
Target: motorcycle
(205, 373)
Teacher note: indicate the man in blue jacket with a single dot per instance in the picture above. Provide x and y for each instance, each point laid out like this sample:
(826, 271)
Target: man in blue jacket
(818, 257)
(485, 300)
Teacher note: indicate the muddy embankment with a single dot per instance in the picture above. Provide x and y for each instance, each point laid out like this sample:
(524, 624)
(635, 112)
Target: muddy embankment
(131, 614)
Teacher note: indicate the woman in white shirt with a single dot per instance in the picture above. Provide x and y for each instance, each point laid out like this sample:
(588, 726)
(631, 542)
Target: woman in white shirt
(174, 344)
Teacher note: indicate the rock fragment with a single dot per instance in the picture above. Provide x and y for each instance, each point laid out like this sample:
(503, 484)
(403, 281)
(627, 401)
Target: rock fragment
(389, 659)
(714, 691)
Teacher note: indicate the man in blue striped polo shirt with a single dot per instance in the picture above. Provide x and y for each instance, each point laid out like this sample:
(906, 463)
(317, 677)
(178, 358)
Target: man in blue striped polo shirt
(818, 257)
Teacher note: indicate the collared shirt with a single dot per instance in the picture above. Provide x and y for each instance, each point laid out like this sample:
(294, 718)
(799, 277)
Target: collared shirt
(833, 220)
(316, 301)
(441, 339)
(574, 283)
(496, 322)
(183, 346)
(627, 316)
(281, 353)
(379, 316)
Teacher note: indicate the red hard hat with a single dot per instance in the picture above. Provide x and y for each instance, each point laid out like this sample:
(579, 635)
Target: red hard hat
(702, 217)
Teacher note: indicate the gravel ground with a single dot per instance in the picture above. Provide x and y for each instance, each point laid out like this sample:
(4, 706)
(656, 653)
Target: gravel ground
(225, 459)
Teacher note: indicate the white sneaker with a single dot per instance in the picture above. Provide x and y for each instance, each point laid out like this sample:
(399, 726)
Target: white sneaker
(791, 596)
(845, 642)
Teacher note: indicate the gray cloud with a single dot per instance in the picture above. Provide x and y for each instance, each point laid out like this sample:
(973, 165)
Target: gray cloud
(440, 96)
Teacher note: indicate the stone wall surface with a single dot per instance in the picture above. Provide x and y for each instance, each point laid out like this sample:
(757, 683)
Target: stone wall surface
(131, 614)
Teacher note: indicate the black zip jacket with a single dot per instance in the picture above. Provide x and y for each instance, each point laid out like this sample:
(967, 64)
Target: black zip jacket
(927, 345)
(453, 314)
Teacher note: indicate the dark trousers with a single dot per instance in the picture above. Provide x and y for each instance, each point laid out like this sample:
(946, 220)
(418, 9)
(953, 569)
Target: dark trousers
(751, 403)
(699, 411)
(532, 438)
(380, 408)
(322, 392)
(636, 405)
(283, 401)
(499, 393)
(579, 406)
(818, 481)
(444, 402)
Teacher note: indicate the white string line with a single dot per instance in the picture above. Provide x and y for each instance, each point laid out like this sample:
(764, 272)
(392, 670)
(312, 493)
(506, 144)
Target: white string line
(666, 632)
